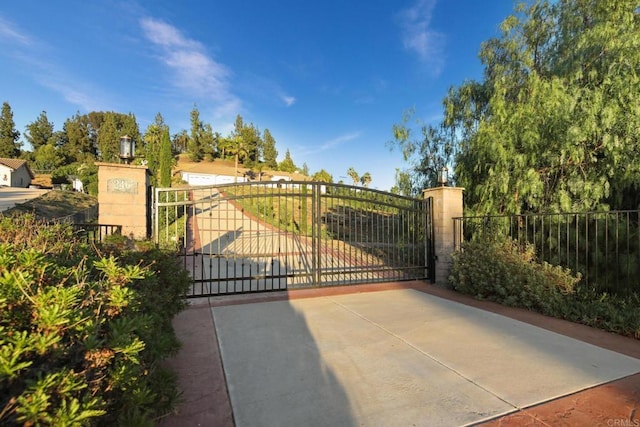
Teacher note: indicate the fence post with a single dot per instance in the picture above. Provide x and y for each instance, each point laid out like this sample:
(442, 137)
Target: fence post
(447, 204)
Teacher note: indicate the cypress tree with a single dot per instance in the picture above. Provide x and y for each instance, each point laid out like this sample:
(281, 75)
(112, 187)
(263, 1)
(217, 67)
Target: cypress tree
(9, 146)
(166, 159)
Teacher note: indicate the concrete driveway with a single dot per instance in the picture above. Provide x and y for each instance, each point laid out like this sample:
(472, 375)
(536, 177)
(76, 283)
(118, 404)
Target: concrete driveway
(11, 196)
(391, 357)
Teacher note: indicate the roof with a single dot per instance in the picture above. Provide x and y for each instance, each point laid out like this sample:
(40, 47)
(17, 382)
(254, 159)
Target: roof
(16, 164)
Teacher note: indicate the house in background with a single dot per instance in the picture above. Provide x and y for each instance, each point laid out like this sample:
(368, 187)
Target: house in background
(15, 173)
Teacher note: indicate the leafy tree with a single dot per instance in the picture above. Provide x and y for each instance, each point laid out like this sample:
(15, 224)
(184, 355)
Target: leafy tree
(88, 174)
(322, 176)
(85, 140)
(9, 145)
(166, 159)
(209, 142)
(403, 184)
(77, 144)
(305, 169)
(555, 122)
(269, 152)
(238, 149)
(46, 157)
(249, 137)
(128, 125)
(180, 141)
(39, 132)
(109, 127)
(287, 165)
(365, 179)
(257, 169)
(353, 175)
(194, 147)
(224, 144)
(427, 153)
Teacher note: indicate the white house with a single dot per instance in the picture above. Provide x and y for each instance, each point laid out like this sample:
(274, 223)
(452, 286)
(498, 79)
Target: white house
(15, 173)
(281, 178)
(195, 178)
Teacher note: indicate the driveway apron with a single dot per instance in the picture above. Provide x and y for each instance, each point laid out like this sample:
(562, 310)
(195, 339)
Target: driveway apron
(395, 357)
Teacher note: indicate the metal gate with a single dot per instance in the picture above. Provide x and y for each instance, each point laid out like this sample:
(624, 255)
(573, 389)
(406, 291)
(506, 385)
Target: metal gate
(269, 236)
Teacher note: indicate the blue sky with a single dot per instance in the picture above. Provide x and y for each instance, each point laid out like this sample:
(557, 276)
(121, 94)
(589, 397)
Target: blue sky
(328, 79)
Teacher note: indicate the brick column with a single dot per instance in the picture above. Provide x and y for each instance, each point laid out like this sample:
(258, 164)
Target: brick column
(447, 204)
(123, 198)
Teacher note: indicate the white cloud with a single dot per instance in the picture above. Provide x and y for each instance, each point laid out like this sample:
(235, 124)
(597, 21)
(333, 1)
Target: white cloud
(10, 34)
(35, 57)
(194, 70)
(418, 37)
(288, 100)
(163, 34)
(328, 145)
(341, 139)
(269, 90)
(74, 95)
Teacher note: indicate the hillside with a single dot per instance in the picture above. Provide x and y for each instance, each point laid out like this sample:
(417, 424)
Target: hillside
(55, 204)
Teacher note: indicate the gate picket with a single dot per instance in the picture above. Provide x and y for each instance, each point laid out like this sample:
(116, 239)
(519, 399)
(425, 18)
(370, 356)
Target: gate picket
(271, 236)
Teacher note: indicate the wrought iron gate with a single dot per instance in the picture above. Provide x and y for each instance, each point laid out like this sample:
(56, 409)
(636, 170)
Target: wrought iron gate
(269, 236)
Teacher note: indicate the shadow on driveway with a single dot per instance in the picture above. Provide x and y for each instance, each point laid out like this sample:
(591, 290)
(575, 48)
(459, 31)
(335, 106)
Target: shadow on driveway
(396, 357)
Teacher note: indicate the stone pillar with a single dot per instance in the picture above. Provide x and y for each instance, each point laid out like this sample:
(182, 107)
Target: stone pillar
(447, 204)
(124, 194)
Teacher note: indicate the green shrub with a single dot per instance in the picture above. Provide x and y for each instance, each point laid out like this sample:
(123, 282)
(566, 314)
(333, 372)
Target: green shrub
(613, 313)
(501, 271)
(83, 332)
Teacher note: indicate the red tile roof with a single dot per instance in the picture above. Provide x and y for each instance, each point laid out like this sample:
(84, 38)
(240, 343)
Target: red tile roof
(16, 164)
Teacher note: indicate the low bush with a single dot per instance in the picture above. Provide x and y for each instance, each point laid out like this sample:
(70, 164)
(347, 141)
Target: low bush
(504, 272)
(83, 330)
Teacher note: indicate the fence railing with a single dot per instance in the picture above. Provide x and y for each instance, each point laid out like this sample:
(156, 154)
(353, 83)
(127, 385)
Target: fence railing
(269, 236)
(603, 246)
(95, 233)
(84, 216)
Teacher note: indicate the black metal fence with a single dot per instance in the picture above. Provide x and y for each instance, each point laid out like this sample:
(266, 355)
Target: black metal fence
(266, 236)
(84, 216)
(95, 233)
(603, 246)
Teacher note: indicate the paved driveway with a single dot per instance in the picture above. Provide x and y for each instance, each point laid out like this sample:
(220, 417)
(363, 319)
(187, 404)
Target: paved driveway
(11, 196)
(393, 357)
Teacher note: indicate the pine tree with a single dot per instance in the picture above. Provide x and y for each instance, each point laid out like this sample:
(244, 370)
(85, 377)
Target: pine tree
(269, 152)
(194, 148)
(77, 144)
(287, 165)
(39, 132)
(209, 142)
(109, 139)
(9, 145)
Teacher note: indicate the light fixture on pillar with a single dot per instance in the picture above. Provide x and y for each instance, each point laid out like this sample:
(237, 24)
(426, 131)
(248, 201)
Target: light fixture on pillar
(127, 148)
(443, 176)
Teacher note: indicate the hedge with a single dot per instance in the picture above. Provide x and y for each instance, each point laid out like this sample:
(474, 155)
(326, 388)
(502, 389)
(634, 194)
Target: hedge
(84, 329)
